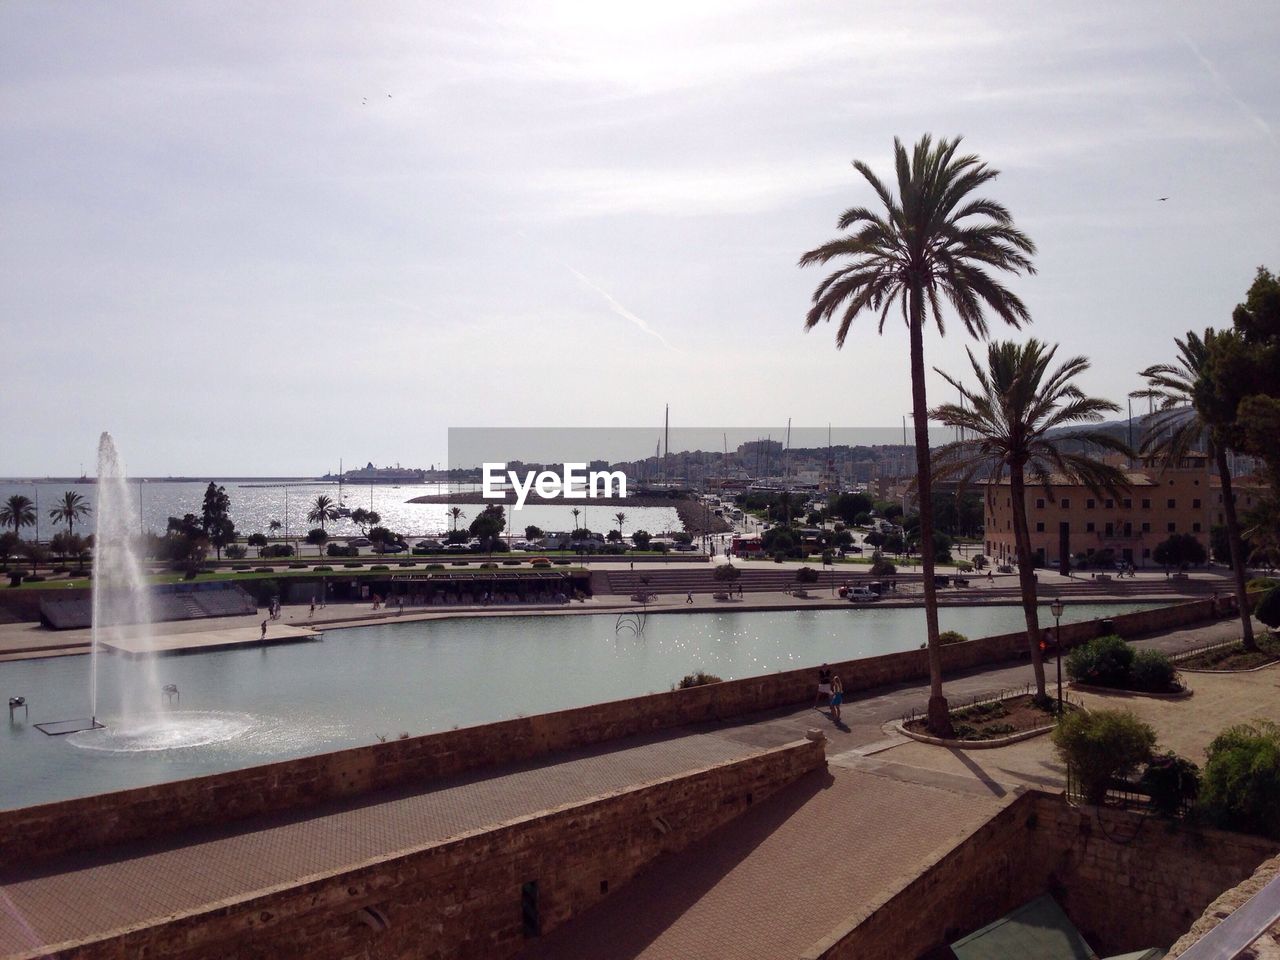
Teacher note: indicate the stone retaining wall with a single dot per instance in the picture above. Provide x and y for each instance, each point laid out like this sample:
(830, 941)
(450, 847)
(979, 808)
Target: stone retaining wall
(1126, 881)
(36, 833)
(463, 898)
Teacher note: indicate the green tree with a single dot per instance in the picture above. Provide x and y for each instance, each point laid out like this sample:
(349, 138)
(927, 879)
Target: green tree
(1181, 550)
(621, 518)
(641, 539)
(533, 533)
(488, 525)
(318, 537)
(215, 510)
(9, 542)
(364, 519)
(456, 514)
(274, 526)
(1019, 423)
(380, 537)
(258, 540)
(18, 512)
(323, 509)
(848, 506)
(1191, 417)
(69, 509)
(934, 241)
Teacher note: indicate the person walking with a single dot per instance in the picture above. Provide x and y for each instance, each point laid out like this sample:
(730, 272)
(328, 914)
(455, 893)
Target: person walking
(824, 685)
(837, 697)
(264, 631)
(689, 597)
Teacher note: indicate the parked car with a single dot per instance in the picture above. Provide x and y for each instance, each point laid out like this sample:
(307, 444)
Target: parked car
(358, 542)
(393, 548)
(1004, 568)
(428, 544)
(861, 595)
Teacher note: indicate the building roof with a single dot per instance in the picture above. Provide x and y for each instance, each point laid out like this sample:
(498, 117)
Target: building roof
(1132, 479)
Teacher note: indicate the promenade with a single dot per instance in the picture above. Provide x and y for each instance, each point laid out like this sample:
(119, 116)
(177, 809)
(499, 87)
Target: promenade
(769, 884)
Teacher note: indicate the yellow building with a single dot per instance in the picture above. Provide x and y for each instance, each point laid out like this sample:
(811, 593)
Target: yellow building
(1158, 501)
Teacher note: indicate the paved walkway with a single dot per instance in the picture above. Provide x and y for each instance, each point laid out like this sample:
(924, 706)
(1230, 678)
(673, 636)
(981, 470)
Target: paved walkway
(786, 874)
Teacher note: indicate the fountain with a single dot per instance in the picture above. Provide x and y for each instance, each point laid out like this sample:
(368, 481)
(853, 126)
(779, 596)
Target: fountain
(121, 607)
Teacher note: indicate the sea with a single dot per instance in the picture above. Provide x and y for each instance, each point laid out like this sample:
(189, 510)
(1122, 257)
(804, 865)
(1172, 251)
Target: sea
(255, 503)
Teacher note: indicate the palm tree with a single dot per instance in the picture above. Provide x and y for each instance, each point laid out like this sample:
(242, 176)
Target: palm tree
(1013, 426)
(18, 511)
(576, 513)
(323, 510)
(1181, 425)
(457, 514)
(621, 518)
(933, 241)
(69, 509)
(274, 526)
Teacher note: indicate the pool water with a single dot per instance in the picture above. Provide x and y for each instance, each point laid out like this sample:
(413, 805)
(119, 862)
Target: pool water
(257, 705)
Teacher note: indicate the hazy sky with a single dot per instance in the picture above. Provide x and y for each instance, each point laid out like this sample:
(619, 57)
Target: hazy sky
(255, 238)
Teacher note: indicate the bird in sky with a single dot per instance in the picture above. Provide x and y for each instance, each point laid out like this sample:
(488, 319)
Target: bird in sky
(1160, 199)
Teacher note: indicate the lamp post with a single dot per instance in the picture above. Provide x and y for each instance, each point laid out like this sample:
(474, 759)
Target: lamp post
(1056, 609)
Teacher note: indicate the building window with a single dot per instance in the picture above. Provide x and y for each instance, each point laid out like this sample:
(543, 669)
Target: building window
(1090, 503)
(1066, 504)
(1109, 504)
(1040, 503)
(1109, 529)
(1195, 528)
(1088, 527)
(1195, 504)
(1172, 504)
(1146, 552)
(1040, 527)
(1146, 528)
(1172, 528)
(1128, 504)
(1146, 504)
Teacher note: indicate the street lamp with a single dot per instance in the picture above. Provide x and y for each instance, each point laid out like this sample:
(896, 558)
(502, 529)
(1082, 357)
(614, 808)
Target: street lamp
(1056, 609)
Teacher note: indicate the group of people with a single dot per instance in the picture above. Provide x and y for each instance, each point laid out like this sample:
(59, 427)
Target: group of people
(831, 687)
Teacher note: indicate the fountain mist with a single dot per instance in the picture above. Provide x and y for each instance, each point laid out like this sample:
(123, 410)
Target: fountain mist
(120, 593)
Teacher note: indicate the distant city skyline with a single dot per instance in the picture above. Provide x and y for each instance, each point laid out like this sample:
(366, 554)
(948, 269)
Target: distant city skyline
(252, 240)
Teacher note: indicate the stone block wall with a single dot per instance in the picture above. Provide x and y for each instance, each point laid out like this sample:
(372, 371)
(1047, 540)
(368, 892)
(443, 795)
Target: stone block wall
(1126, 881)
(463, 898)
(47, 830)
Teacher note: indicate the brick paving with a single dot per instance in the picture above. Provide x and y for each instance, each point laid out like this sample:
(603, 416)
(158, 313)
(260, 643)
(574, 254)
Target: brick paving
(86, 895)
(823, 852)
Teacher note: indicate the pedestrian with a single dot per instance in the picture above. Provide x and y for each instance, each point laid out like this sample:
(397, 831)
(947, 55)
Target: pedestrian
(824, 685)
(264, 631)
(837, 697)
(400, 604)
(689, 597)
(312, 611)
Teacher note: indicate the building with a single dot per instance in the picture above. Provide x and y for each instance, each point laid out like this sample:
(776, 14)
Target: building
(1069, 518)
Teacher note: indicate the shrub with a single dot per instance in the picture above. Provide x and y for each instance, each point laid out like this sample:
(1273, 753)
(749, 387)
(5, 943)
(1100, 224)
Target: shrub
(33, 578)
(1241, 789)
(60, 569)
(1105, 662)
(297, 566)
(264, 569)
(380, 567)
(881, 567)
(1153, 670)
(1268, 609)
(236, 551)
(562, 563)
(951, 636)
(340, 550)
(726, 573)
(964, 566)
(434, 566)
(242, 566)
(276, 550)
(806, 575)
(458, 563)
(1171, 781)
(1101, 746)
(352, 566)
(698, 679)
(1262, 583)
(324, 568)
(511, 563)
(488, 566)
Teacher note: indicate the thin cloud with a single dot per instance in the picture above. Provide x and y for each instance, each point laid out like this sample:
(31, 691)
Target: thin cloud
(1225, 87)
(618, 308)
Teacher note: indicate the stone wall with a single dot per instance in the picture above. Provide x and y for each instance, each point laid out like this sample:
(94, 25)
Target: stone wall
(39, 832)
(463, 898)
(1127, 882)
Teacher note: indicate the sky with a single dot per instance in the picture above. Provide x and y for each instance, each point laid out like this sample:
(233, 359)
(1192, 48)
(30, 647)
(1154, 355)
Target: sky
(252, 239)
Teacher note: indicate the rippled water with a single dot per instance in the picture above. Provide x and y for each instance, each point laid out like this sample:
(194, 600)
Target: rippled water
(251, 706)
(254, 506)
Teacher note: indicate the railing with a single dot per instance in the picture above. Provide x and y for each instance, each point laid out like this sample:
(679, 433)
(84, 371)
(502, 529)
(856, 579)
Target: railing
(1006, 693)
(1125, 794)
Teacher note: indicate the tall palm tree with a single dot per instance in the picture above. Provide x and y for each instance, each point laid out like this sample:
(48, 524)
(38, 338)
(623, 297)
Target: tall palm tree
(323, 510)
(1181, 425)
(18, 512)
(621, 518)
(933, 241)
(576, 514)
(274, 526)
(69, 509)
(457, 514)
(1013, 427)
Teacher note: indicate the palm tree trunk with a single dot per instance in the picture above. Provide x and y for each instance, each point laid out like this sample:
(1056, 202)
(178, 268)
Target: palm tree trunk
(1237, 547)
(1026, 572)
(939, 713)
